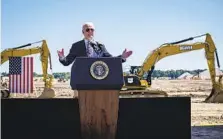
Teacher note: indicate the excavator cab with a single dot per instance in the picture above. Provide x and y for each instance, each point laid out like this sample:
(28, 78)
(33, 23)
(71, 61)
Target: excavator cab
(132, 81)
(134, 84)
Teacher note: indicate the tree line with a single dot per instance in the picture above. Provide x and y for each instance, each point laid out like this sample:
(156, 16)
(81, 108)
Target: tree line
(173, 74)
(156, 73)
(62, 75)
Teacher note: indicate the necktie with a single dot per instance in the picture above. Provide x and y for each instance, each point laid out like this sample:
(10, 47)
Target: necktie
(89, 50)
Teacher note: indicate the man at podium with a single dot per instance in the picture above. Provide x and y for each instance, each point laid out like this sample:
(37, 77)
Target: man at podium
(87, 47)
(103, 83)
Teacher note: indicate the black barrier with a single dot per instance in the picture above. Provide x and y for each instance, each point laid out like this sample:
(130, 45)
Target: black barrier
(155, 118)
(40, 119)
(59, 118)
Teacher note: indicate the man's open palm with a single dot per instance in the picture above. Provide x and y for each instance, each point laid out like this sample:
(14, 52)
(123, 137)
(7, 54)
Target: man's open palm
(61, 53)
(126, 54)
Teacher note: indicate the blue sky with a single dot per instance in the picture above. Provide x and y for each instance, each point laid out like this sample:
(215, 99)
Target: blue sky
(140, 26)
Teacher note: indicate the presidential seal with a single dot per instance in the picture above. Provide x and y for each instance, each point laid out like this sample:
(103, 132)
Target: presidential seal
(99, 70)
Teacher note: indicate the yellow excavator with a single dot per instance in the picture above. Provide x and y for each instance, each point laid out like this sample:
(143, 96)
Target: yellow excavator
(20, 51)
(139, 77)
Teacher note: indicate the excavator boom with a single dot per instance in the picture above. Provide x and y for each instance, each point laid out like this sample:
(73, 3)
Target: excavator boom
(174, 48)
(165, 51)
(17, 52)
(45, 56)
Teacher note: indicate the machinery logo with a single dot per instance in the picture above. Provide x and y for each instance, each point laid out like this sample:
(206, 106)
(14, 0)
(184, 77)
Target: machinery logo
(183, 48)
(99, 70)
(130, 80)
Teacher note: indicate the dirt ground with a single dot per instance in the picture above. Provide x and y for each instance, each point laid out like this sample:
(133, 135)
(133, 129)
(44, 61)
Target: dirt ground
(201, 113)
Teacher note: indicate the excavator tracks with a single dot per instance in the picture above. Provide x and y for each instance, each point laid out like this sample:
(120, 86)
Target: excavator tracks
(143, 93)
(5, 93)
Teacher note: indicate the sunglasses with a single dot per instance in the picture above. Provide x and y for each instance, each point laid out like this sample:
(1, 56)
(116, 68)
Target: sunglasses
(88, 29)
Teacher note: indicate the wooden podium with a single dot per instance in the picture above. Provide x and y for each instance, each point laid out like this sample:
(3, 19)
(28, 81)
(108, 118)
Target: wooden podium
(98, 82)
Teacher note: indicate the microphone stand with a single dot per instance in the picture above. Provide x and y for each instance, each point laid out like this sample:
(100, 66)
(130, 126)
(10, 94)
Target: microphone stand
(98, 49)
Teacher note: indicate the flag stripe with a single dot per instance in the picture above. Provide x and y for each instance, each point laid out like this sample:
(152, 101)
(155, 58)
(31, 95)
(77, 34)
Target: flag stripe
(27, 82)
(29, 85)
(24, 83)
(20, 80)
(13, 84)
(31, 74)
(16, 78)
(25, 74)
(9, 83)
(21, 74)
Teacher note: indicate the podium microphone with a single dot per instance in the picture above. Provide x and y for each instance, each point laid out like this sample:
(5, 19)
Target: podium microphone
(95, 46)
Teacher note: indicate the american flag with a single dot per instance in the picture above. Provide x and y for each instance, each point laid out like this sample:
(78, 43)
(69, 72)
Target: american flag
(21, 74)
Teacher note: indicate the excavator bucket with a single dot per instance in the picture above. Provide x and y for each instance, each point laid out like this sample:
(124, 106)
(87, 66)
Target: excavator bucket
(216, 95)
(48, 93)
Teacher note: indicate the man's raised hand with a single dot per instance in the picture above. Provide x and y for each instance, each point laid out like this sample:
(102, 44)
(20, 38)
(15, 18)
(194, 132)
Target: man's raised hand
(126, 54)
(61, 53)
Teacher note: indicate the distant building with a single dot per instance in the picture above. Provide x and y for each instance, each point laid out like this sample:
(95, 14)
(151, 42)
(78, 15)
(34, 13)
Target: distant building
(185, 76)
(205, 75)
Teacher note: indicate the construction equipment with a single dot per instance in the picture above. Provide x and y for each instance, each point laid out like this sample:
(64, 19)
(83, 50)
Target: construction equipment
(48, 92)
(61, 80)
(139, 78)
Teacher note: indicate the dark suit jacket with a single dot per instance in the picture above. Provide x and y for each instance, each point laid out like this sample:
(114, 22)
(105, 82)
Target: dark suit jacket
(78, 49)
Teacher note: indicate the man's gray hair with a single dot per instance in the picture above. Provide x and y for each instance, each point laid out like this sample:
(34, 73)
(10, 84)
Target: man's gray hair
(88, 23)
